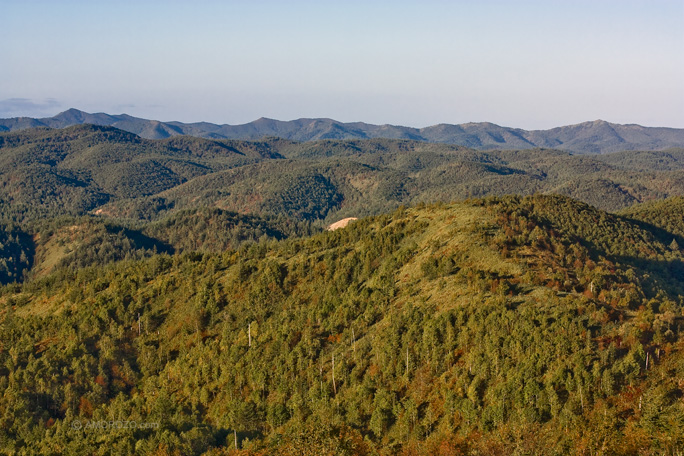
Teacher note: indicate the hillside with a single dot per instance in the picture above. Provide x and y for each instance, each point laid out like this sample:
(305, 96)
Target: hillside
(537, 325)
(87, 169)
(667, 215)
(77, 169)
(585, 138)
(71, 243)
(88, 195)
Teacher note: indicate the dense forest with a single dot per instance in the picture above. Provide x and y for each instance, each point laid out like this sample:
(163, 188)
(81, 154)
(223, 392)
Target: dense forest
(536, 325)
(182, 296)
(104, 171)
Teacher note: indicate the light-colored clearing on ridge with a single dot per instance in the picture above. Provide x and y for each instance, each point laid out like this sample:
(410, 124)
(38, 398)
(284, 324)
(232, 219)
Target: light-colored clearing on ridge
(341, 223)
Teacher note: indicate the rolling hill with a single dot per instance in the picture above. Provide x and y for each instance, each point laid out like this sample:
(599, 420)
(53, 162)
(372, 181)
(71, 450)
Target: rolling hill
(186, 284)
(536, 325)
(88, 169)
(89, 195)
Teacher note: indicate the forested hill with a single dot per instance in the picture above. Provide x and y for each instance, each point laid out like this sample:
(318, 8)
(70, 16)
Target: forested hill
(666, 214)
(87, 169)
(535, 325)
(587, 137)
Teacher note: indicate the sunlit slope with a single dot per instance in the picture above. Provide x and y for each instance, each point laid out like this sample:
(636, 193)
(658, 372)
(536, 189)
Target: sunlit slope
(536, 322)
(667, 215)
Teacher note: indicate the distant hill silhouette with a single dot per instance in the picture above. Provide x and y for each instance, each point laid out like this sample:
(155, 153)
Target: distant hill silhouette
(595, 137)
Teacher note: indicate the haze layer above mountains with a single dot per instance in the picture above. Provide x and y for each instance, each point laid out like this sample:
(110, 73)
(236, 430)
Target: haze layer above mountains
(584, 138)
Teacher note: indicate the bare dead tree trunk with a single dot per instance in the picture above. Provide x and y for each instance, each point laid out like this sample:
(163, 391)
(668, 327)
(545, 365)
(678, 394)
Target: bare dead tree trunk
(333, 374)
(354, 342)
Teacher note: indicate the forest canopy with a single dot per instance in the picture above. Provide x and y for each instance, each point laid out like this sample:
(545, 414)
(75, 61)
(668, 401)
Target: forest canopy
(536, 324)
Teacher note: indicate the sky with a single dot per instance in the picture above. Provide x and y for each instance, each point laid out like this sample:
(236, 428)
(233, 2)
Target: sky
(533, 64)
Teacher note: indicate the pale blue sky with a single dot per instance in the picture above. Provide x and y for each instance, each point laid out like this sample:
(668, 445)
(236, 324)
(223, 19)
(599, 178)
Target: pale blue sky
(528, 64)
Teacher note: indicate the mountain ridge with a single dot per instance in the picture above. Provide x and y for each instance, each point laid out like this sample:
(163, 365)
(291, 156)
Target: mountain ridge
(104, 170)
(592, 137)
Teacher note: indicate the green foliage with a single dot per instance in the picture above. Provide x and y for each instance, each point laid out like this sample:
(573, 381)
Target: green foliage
(79, 168)
(16, 254)
(664, 214)
(217, 230)
(86, 168)
(502, 323)
(182, 283)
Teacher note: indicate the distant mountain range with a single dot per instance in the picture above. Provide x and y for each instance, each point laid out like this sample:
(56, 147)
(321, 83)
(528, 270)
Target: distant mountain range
(595, 137)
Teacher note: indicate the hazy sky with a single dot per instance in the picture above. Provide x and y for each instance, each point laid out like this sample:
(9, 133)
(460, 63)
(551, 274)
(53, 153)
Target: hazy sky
(528, 64)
